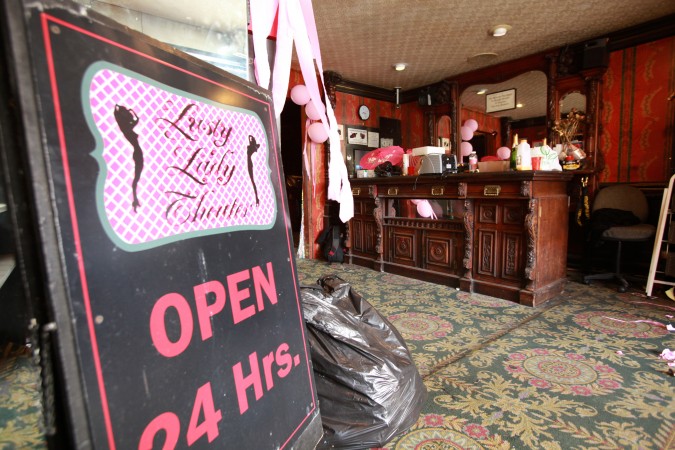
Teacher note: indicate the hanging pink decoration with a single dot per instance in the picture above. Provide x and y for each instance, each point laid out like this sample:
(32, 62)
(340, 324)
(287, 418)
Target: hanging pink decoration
(424, 209)
(317, 132)
(504, 153)
(296, 27)
(466, 148)
(471, 124)
(300, 95)
(313, 112)
(466, 132)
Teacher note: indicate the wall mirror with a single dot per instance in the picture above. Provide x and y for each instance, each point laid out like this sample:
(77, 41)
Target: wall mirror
(444, 132)
(572, 100)
(528, 118)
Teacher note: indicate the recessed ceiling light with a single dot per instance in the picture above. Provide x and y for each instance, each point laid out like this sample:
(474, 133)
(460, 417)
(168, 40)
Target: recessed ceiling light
(400, 66)
(481, 91)
(519, 105)
(499, 30)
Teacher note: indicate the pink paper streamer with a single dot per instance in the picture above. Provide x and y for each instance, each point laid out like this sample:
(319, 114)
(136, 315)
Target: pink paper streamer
(262, 20)
(296, 25)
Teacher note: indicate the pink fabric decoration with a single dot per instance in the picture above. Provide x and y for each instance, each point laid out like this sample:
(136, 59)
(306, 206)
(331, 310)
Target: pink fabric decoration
(300, 95)
(466, 132)
(317, 133)
(296, 25)
(471, 124)
(504, 152)
(466, 148)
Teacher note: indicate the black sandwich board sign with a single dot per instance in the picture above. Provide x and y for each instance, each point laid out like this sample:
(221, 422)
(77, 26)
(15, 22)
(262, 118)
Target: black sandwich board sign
(180, 314)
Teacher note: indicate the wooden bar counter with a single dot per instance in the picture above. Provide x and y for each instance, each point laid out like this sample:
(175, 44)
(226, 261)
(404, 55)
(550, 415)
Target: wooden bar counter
(502, 234)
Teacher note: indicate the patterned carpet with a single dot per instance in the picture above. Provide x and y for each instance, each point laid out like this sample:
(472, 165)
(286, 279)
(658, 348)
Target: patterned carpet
(576, 373)
(20, 404)
(581, 372)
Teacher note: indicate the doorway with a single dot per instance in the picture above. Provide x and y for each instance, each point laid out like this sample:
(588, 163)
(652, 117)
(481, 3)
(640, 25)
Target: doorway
(290, 131)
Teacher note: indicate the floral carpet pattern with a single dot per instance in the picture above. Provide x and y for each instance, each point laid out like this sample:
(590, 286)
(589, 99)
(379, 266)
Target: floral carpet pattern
(20, 401)
(581, 372)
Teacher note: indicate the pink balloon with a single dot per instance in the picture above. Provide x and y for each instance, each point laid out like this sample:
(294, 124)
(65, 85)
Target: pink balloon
(300, 94)
(472, 124)
(466, 148)
(314, 113)
(424, 209)
(317, 132)
(503, 153)
(466, 132)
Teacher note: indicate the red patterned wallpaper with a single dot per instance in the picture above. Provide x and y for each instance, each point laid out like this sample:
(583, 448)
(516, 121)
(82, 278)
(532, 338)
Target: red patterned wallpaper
(636, 116)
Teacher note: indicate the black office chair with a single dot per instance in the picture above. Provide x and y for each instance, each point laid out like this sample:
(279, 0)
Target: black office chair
(618, 215)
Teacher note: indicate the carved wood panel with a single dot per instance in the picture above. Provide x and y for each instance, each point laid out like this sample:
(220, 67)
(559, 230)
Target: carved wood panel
(443, 252)
(369, 237)
(512, 255)
(404, 244)
(356, 234)
(487, 213)
(486, 253)
(513, 214)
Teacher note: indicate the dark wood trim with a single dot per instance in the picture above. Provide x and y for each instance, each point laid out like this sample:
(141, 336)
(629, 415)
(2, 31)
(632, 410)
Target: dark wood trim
(640, 34)
(361, 90)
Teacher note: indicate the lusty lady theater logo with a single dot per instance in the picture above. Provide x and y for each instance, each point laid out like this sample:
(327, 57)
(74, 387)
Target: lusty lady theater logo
(174, 165)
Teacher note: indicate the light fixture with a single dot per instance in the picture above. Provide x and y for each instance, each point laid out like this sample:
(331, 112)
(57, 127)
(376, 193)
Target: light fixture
(400, 66)
(398, 93)
(519, 105)
(481, 58)
(500, 30)
(481, 91)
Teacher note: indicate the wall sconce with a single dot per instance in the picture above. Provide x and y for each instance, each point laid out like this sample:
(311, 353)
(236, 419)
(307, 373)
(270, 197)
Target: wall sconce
(398, 95)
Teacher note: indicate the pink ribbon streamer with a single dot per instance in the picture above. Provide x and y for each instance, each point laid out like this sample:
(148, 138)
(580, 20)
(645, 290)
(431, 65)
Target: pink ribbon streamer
(296, 25)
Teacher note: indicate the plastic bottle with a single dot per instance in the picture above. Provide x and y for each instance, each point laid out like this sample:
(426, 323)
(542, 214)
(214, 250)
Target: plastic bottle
(514, 153)
(473, 162)
(524, 157)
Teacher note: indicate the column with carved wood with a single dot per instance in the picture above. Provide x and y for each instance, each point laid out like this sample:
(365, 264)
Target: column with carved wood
(466, 282)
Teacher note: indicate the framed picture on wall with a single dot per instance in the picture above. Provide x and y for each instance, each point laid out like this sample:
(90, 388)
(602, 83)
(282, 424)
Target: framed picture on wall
(500, 101)
(357, 136)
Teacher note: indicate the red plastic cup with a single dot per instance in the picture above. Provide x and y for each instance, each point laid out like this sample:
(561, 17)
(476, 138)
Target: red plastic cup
(536, 163)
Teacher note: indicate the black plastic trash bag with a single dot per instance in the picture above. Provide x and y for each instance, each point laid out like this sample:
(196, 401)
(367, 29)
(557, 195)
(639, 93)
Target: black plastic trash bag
(368, 386)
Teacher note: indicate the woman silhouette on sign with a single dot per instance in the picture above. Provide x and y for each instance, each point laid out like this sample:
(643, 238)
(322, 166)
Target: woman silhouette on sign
(253, 146)
(127, 119)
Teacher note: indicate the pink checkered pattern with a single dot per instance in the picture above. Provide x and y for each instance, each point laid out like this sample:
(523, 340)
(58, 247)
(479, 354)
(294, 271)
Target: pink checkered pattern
(172, 203)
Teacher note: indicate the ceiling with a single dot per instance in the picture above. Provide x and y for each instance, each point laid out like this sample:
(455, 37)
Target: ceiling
(362, 39)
